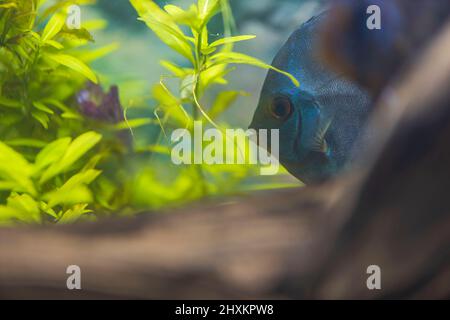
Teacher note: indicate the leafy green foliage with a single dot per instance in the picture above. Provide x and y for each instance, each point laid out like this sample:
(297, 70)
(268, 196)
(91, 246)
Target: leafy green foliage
(210, 62)
(51, 186)
(207, 64)
(68, 151)
(44, 173)
(32, 60)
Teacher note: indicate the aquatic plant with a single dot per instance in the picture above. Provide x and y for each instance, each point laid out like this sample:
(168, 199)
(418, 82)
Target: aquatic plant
(46, 159)
(207, 63)
(69, 150)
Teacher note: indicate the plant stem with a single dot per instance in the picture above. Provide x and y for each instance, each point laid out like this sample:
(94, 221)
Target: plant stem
(195, 111)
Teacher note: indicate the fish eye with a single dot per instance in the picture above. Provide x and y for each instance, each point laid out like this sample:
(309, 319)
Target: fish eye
(281, 108)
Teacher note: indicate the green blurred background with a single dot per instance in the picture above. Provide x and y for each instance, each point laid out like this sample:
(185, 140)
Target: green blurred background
(134, 65)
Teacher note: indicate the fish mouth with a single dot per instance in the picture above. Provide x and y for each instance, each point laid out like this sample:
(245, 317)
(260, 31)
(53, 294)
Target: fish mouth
(315, 167)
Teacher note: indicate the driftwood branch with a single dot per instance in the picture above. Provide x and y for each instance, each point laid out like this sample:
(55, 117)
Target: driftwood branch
(316, 242)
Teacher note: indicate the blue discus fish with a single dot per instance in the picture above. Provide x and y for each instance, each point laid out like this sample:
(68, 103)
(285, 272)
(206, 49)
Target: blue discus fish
(319, 121)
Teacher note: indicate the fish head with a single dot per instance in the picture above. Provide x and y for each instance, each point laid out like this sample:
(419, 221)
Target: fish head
(320, 121)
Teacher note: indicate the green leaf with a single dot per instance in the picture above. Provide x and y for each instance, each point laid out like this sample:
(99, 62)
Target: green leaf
(51, 153)
(53, 27)
(74, 214)
(174, 10)
(46, 209)
(42, 107)
(79, 147)
(26, 205)
(159, 149)
(207, 9)
(16, 169)
(31, 143)
(172, 37)
(77, 34)
(7, 185)
(133, 123)
(240, 58)
(229, 40)
(6, 102)
(9, 157)
(42, 117)
(86, 177)
(272, 186)
(213, 75)
(185, 17)
(176, 70)
(171, 105)
(187, 86)
(8, 5)
(74, 64)
(208, 51)
(74, 191)
(54, 44)
(23, 53)
(163, 25)
(8, 215)
(68, 113)
(96, 24)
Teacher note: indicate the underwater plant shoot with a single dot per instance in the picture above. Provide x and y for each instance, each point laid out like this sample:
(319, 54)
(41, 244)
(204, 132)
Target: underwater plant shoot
(224, 158)
(222, 147)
